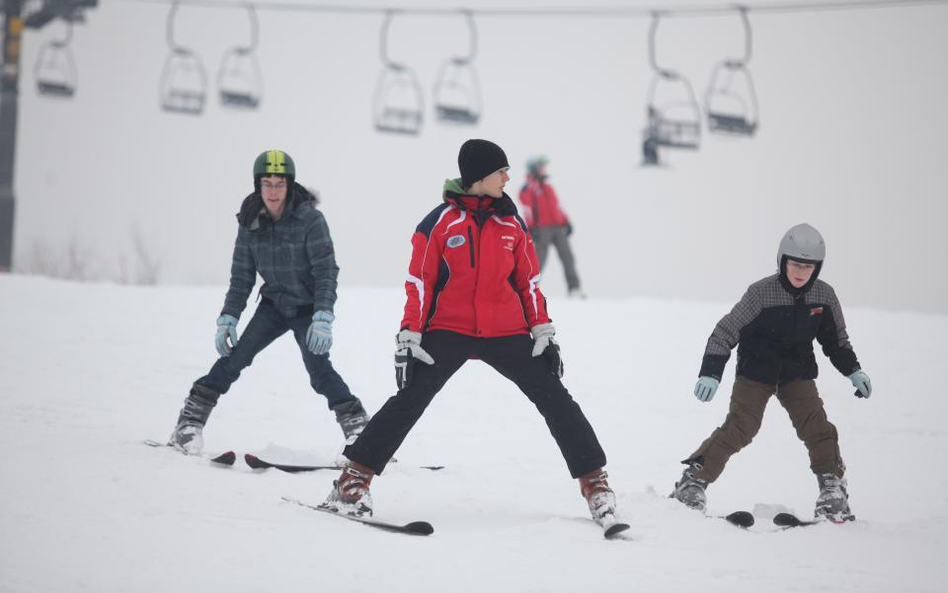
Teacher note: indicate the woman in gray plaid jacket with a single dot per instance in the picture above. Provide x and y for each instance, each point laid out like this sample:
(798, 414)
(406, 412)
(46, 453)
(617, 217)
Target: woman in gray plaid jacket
(284, 238)
(773, 327)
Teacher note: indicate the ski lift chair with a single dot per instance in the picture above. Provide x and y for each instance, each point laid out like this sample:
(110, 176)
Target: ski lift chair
(183, 85)
(730, 101)
(398, 106)
(238, 78)
(676, 123)
(674, 117)
(55, 69)
(457, 92)
(398, 102)
(728, 111)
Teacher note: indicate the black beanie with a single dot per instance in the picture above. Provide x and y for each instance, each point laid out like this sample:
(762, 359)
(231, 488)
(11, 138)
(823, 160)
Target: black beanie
(479, 158)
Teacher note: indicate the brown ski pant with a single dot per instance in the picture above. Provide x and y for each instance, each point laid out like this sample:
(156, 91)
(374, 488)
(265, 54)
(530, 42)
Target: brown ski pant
(748, 400)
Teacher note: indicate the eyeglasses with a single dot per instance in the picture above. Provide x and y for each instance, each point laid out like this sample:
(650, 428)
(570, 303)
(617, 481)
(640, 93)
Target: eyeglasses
(272, 186)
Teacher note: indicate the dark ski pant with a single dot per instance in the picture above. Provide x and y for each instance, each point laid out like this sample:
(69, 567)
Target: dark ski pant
(267, 325)
(511, 357)
(543, 236)
(748, 400)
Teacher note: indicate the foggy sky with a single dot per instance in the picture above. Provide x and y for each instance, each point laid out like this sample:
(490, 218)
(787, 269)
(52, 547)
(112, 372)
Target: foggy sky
(851, 140)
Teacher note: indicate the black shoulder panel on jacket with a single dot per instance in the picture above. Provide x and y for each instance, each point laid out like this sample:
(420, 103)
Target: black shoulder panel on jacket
(425, 226)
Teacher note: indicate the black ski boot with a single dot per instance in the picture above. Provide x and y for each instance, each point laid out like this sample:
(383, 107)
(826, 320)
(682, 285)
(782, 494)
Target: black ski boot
(352, 419)
(188, 434)
(690, 490)
(833, 501)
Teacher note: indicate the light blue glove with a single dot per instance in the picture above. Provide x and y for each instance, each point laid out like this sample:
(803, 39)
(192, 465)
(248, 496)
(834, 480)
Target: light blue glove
(705, 388)
(319, 334)
(226, 329)
(861, 382)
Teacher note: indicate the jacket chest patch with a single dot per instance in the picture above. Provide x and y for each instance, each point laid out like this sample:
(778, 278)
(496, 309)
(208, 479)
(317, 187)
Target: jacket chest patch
(456, 241)
(816, 311)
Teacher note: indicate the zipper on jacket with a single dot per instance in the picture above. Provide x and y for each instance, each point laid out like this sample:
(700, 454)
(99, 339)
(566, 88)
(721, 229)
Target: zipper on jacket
(470, 244)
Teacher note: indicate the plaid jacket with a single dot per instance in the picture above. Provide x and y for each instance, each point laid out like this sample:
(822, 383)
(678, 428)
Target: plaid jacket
(294, 256)
(774, 331)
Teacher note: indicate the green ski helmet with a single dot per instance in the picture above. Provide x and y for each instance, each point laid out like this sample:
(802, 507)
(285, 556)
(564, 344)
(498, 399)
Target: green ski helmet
(273, 162)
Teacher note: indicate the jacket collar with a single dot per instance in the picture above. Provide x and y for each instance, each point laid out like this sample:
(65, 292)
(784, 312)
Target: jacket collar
(253, 214)
(478, 206)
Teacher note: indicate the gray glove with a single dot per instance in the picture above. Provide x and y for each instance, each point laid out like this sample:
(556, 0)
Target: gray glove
(705, 388)
(544, 344)
(861, 382)
(407, 353)
(319, 334)
(226, 329)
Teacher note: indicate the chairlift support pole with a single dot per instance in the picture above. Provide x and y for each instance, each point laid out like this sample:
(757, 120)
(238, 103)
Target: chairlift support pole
(13, 25)
(9, 91)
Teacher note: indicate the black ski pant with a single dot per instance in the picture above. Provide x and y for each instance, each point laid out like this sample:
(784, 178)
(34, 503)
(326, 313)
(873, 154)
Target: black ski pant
(511, 357)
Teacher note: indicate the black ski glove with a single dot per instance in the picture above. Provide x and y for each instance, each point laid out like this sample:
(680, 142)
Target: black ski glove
(545, 345)
(408, 352)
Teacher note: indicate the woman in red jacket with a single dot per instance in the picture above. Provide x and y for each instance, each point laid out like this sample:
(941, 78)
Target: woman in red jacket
(547, 221)
(472, 293)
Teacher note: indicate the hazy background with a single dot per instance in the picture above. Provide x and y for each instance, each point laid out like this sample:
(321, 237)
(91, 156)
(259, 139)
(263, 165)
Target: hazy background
(852, 123)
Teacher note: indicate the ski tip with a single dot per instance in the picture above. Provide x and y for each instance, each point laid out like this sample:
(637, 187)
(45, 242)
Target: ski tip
(789, 520)
(615, 529)
(419, 528)
(254, 461)
(741, 519)
(226, 458)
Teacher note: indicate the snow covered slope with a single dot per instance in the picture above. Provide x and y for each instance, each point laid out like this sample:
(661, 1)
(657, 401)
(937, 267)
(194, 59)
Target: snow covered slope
(88, 371)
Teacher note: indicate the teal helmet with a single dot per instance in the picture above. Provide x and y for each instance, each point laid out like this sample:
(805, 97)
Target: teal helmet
(534, 164)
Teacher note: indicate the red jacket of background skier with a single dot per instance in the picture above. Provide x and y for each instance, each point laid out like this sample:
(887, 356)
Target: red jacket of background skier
(473, 269)
(541, 206)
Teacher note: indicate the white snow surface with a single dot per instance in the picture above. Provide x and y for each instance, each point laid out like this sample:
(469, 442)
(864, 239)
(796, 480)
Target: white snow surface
(87, 371)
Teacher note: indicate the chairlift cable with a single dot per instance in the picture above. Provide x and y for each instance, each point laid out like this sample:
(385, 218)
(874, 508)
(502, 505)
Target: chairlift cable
(551, 11)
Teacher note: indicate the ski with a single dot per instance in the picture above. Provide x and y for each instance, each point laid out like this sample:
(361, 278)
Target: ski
(257, 463)
(742, 519)
(226, 458)
(413, 528)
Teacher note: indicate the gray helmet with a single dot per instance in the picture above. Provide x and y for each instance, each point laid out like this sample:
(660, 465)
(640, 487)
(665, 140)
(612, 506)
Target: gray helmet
(802, 242)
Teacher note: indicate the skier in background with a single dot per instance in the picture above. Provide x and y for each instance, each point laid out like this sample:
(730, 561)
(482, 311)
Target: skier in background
(774, 326)
(283, 237)
(547, 222)
(473, 294)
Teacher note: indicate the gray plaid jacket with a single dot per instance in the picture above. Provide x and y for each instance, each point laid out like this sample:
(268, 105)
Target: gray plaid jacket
(774, 330)
(294, 256)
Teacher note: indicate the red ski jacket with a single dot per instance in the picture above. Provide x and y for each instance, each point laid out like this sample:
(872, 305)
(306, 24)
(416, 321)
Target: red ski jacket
(541, 206)
(473, 269)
